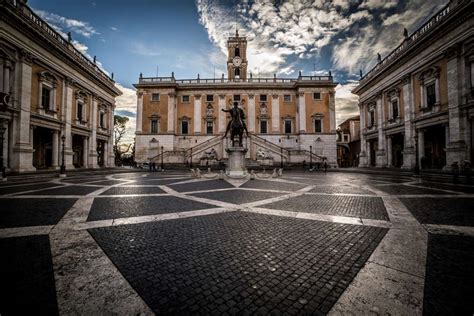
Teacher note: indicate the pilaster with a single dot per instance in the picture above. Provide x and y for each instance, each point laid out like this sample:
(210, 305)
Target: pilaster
(251, 111)
(139, 112)
(171, 114)
(222, 121)
(275, 114)
(381, 157)
(409, 159)
(302, 112)
(197, 114)
(92, 163)
(363, 143)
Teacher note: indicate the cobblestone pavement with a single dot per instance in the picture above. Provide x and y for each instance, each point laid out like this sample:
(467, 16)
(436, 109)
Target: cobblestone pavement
(304, 243)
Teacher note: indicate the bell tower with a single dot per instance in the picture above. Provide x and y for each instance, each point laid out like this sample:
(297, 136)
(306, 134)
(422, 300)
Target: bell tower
(237, 57)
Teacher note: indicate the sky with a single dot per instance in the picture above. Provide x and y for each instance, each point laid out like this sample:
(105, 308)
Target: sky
(156, 37)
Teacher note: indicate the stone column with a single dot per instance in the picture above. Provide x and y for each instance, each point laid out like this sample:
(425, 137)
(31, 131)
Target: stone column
(409, 155)
(68, 153)
(197, 114)
(389, 152)
(171, 110)
(332, 112)
(363, 144)
(6, 76)
(139, 112)
(22, 155)
(92, 163)
(302, 112)
(369, 156)
(85, 151)
(381, 158)
(457, 148)
(252, 111)
(275, 114)
(222, 121)
(110, 147)
(55, 150)
(421, 145)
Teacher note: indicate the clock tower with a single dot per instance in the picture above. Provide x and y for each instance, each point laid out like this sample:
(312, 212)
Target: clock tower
(237, 57)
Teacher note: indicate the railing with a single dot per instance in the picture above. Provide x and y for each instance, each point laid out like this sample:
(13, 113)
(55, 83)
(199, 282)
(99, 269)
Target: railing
(274, 147)
(202, 146)
(42, 26)
(145, 80)
(414, 38)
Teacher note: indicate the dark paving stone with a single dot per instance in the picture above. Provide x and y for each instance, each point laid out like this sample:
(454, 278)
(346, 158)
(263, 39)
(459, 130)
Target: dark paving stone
(68, 190)
(393, 179)
(239, 263)
(116, 207)
(26, 187)
(404, 190)
(447, 186)
(133, 190)
(27, 277)
(160, 181)
(345, 189)
(80, 180)
(446, 211)
(108, 182)
(352, 206)
(449, 282)
(272, 185)
(32, 212)
(202, 185)
(237, 196)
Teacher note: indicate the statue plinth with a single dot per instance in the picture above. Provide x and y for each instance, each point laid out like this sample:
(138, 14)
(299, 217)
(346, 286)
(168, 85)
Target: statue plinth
(236, 161)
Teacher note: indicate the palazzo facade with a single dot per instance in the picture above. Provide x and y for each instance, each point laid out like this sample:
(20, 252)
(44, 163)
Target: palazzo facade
(418, 102)
(289, 119)
(50, 91)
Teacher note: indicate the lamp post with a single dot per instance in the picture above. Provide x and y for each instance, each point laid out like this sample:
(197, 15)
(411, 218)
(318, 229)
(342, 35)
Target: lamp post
(2, 167)
(62, 171)
(162, 167)
(310, 157)
(417, 167)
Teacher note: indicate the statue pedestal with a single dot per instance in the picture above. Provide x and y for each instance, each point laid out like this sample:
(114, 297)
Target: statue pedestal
(236, 162)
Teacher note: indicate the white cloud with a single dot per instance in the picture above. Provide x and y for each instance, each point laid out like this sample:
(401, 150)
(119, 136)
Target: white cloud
(346, 102)
(76, 26)
(127, 102)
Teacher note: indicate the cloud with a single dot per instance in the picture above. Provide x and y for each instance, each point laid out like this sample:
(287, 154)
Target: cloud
(126, 105)
(113, 28)
(145, 50)
(346, 102)
(76, 26)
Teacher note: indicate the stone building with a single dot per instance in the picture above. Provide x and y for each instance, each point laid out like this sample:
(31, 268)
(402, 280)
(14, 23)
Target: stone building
(53, 90)
(348, 142)
(418, 101)
(286, 117)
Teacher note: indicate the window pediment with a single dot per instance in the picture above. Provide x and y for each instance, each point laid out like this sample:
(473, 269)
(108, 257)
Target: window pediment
(81, 95)
(317, 115)
(431, 72)
(393, 93)
(48, 77)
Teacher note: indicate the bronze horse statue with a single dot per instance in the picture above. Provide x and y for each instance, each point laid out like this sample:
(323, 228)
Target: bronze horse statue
(237, 124)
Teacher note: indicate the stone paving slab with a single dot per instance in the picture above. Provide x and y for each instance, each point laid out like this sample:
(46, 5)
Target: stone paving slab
(238, 196)
(32, 212)
(239, 262)
(27, 278)
(352, 206)
(201, 185)
(133, 190)
(344, 189)
(272, 185)
(444, 211)
(158, 181)
(109, 182)
(449, 280)
(446, 186)
(26, 187)
(404, 190)
(67, 190)
(116, 207)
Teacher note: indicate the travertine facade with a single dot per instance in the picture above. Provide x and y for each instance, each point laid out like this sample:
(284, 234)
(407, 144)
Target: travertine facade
(418, 101)
(53, 91)
(184, 119)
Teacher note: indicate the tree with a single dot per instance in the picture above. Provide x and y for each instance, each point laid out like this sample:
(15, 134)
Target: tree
(120, 128)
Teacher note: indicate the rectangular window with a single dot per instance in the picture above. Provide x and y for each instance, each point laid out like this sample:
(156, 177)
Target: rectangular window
(185, 98)
(263, 127)
(346, 138)
(154, 126)
(209, 127)
(45, 98)
(430, 95)
(102, 120)
(236, 97)
(318, 126)
(155, 97)
(184, 127)
(371, 118)
(287, 97)
(395, 109)
(287, 126)
(210, 98)
(317, 96)
(263, 98)
(80, 110)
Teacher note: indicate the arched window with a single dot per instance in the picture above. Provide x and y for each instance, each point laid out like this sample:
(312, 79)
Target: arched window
(237, 72)
(237, 52)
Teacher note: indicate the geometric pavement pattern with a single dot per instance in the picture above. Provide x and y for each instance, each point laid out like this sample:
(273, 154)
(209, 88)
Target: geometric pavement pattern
(304, 243)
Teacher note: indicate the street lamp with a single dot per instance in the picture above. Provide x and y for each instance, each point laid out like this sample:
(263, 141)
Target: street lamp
(62, 171)
(2, 167)
(162, 167)
(310, 157)
(417, 167)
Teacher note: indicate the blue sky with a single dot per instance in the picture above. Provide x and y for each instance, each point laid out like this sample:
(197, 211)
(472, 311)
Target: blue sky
(188, 37)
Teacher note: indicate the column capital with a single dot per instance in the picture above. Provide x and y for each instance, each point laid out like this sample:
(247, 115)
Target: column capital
(69, 81)
(406, 79)
(251, 96)
(275, 96)
(300, 94)
(26, 57)
(139, 94)
(197, 96)
(172, 94)
(221, 96)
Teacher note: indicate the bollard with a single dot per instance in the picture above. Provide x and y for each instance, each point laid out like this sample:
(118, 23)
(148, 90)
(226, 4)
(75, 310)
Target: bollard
(280, 172)
(198, 173)
(252, 175)
(274, 174)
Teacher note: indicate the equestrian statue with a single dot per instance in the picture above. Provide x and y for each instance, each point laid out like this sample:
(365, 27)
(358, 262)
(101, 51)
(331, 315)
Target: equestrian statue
(237, 123)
